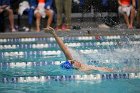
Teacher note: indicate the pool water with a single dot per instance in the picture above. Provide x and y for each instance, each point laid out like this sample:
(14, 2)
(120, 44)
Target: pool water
(107, 86)
(32, 65)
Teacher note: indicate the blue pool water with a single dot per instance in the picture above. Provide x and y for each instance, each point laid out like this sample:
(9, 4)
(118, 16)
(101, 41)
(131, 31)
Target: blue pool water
(32, 65)
(113, 86)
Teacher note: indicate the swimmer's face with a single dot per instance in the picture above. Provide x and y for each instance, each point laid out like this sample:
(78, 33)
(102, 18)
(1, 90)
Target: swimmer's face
(76, 64)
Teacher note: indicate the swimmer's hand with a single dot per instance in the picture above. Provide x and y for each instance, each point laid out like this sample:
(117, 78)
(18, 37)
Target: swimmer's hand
(90, 67)
(49, 30)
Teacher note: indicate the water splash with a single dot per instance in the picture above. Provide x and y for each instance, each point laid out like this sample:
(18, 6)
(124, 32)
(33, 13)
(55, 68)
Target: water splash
(122, 59)
(78, 56)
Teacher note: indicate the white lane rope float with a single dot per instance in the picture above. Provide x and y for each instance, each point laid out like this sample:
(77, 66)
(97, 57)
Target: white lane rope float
(91, 77)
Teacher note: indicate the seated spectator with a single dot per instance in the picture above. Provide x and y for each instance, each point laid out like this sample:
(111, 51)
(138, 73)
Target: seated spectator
(43, 8)
(5, 7)
(127, 9)
(27, 7)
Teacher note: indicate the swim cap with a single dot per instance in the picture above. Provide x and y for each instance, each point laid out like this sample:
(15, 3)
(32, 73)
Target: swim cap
(66, 65)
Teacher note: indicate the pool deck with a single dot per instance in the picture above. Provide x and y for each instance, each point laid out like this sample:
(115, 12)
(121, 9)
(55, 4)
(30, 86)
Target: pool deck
(81, 32)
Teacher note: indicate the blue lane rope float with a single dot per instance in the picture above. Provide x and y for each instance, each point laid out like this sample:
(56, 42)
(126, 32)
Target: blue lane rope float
(44, 46)
(39, 49)
(91, 77)
(79, 38)
(9, 65)
(28, 64)
(31, 42)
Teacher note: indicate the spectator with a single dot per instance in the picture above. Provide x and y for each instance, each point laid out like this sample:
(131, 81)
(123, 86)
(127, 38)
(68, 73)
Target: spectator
(67, 5)
(2, 24)
(43, 8)
(5, 7)
(128, 11)
(27, 7)
(138, 16)
(105, 7)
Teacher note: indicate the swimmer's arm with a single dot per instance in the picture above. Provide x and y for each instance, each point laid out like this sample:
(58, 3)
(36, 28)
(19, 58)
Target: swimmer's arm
(90, 67)
(63, 47)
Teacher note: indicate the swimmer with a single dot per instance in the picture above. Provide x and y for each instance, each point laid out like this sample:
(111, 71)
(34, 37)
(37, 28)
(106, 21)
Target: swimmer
(71, 63)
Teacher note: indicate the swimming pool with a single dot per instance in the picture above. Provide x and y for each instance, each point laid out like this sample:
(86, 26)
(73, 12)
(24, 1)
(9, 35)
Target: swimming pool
(31, 65)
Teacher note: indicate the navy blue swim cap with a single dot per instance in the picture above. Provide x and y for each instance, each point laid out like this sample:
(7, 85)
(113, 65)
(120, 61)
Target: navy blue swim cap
(67, 65)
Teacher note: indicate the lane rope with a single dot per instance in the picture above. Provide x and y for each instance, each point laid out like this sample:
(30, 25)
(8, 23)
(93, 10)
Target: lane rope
(91, 77)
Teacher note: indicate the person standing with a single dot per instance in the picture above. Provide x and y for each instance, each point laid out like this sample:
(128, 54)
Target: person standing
(5, 6)
(127, 9)
(65, 5)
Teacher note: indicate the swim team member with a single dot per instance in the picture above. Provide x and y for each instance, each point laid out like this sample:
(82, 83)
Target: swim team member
(71, 63)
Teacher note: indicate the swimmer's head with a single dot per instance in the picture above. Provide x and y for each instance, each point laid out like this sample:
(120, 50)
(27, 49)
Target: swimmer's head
(66, 65)
(76, 64)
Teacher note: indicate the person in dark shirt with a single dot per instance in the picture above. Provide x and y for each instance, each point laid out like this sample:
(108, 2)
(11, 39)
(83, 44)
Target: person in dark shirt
(5, 6)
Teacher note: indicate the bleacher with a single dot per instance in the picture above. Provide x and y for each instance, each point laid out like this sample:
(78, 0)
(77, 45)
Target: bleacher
(92, 11)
